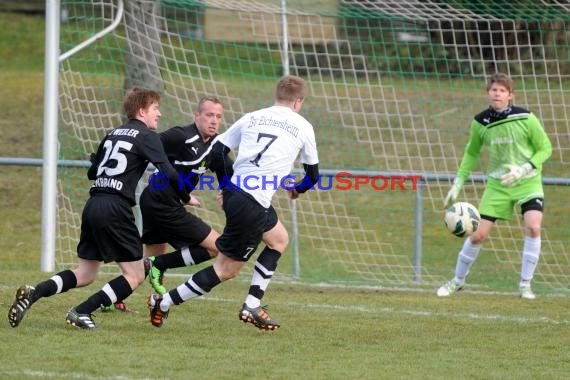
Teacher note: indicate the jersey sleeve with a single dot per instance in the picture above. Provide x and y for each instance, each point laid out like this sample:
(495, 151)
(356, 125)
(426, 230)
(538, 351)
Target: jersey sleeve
(220, 162)
(154, 151)
(95, 159)
(232, 136)
(309, 154)
(472, 151)
(540, 142)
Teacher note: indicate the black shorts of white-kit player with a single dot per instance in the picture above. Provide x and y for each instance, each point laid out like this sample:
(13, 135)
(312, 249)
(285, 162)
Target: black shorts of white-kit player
(246, 221)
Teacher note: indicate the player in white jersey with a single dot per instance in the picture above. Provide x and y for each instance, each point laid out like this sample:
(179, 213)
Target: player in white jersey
(268, 142)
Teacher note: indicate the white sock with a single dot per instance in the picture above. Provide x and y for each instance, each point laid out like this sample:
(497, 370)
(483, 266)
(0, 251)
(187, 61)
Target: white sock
(260, 278)
(187, 256)
(465, 259)
(166, 302)
(530, 255)
(252, 302)
(186, 291)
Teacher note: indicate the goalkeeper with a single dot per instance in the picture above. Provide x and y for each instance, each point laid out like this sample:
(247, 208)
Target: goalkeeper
(517, 147)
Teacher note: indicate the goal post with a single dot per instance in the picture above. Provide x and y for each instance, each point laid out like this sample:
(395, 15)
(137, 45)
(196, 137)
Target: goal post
(49, 229)
(393, 86)
(49, 170)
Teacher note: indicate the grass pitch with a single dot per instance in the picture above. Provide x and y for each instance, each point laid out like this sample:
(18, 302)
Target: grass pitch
(327, 332)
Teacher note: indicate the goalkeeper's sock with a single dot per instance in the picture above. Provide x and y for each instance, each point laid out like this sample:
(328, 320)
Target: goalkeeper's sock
(262, 273)
(531, 253)
(465, 259)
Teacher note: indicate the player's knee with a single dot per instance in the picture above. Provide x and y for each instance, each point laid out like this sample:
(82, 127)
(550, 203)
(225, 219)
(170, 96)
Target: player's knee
(283, 242)
(280, 246)
(84, 278)
(84, 281)
(227, 268)
(210, 243)
(228, 276)
(278, 242)
(478, 238)
(226, 273)
(134, 279)
(533, 230)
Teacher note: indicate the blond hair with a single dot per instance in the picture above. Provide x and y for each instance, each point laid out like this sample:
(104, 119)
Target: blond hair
(290, 88)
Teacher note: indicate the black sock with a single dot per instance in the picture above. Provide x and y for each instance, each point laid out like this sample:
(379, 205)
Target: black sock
(196, 255)
(65, 279)
(199, 284)
(117, 290)
(169, 261)
(199, 254)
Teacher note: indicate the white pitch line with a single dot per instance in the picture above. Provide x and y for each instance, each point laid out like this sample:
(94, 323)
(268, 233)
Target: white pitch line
(419, 313)
(64, 375)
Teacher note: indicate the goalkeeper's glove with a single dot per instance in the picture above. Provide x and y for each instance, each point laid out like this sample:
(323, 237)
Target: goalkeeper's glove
(515, 173)
(453, 193)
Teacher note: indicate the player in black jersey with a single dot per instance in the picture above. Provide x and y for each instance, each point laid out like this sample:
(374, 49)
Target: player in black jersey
(165, 220)
(108, 230)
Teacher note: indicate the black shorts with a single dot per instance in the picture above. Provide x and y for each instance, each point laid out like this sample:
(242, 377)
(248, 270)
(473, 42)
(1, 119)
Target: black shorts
(536, 204)
(271, 219)
(246, 221)
(165, 220)
(108, 230)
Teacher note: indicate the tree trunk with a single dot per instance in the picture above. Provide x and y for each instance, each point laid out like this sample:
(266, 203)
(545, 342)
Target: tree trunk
(144, 48)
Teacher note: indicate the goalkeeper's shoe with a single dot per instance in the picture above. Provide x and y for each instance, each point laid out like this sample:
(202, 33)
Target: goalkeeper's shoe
(117, 306)
(157, 316)
(22, 302)
(526, 292)
(258, 317)
(84, 321)
(449, 288)
(155, 277)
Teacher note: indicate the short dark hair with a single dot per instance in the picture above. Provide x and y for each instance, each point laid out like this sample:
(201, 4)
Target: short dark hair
(205, 99)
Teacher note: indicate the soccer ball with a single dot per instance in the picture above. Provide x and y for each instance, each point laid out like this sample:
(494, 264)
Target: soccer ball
(462, 219)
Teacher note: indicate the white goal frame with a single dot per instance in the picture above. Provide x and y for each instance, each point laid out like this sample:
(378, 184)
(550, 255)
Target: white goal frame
(50, 127)
(392, 87)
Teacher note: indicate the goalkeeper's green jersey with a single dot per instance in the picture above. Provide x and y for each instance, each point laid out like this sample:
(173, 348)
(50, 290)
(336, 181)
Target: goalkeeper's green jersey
(514, 136)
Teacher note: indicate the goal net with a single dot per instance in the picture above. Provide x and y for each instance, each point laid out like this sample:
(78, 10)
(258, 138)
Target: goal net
(393, 86)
